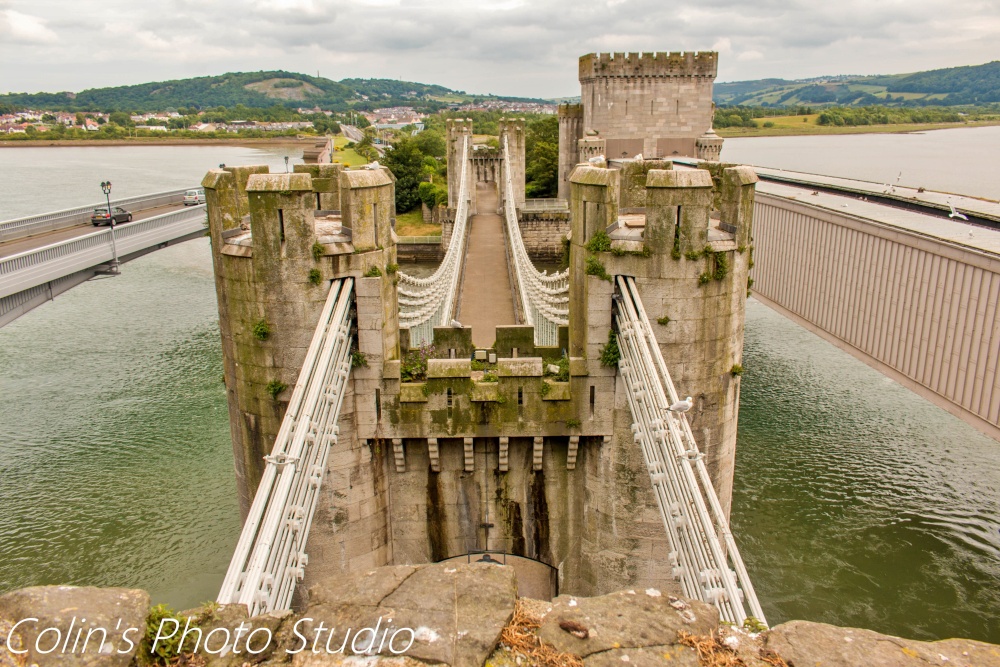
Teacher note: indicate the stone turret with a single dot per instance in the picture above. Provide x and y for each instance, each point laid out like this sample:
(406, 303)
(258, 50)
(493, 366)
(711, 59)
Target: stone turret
(654, 104)
(570, 132)
(455, 129)
(709, 146)
(684, 236)
(513, 130)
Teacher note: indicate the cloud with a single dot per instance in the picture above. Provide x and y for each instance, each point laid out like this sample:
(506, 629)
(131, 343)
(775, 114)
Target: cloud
(24, 28)
(515, 47)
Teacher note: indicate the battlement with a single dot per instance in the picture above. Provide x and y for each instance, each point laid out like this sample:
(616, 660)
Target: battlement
(455, 126)
(571, 111)
(658, 64)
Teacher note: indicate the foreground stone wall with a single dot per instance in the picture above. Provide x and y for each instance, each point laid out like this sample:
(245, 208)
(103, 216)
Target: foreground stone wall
(466, 615)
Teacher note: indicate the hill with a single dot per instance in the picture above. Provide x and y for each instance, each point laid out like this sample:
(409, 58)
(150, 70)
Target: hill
(974, 84)
(251, 89)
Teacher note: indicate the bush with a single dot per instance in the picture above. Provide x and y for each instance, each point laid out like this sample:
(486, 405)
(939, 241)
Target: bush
(275, 387)
(262, 330)
(315, 277)
(373, 272)
(414, 365)
(595, 268)
(610, 353)
(599, 242)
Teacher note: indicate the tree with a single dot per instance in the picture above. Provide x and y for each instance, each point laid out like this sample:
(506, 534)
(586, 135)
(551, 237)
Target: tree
(541, 147)
(406, 162)
(120, 118)
(431, 142)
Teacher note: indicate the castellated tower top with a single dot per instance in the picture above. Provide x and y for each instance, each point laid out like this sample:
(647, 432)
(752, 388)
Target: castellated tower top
(659, 64)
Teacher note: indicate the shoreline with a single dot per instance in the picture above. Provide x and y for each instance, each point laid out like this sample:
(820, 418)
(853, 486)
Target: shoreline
(810, 130)
(249, 142)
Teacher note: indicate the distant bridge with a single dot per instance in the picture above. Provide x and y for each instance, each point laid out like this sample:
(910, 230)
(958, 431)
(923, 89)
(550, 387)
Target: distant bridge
(30, 277)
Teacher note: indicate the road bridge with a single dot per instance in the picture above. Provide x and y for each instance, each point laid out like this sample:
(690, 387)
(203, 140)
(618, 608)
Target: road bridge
(909, 291)
(42, 256)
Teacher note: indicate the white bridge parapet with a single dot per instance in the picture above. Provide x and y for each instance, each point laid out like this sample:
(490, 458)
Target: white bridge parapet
(270, 556)
(544, 298)
(703, 551)
(425, 303)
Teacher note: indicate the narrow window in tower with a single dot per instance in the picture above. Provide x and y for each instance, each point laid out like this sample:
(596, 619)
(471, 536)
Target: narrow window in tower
(591, 401)
(318, 206)
(375, 222)
(281, 230)
(378, 405)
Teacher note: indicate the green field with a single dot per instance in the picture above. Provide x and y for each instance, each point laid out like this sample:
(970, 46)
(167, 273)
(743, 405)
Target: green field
(799, 125)
(412, 223)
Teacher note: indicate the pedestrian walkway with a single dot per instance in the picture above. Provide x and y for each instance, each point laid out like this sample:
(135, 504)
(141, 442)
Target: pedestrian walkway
(486, 300)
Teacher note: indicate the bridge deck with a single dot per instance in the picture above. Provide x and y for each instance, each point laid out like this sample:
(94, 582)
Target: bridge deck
(486, 297)
(55, 236)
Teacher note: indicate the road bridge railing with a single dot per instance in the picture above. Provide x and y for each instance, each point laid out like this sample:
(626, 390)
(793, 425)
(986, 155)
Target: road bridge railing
(425, 303)
(36, 267)
(270, 556)
(45, 222)
(544, 298)
(704, 554)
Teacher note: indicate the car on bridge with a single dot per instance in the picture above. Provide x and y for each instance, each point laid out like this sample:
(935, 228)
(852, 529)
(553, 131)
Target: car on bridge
(101, 216)
(194, 197)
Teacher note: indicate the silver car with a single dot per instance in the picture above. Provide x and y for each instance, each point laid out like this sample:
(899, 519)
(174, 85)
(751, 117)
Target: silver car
(194, 197)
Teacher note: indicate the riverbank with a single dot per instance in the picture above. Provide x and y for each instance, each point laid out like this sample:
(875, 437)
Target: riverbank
(169, 141)
(788, 126)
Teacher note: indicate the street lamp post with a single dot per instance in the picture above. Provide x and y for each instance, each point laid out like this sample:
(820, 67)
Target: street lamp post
(286, 164)
(106, 188)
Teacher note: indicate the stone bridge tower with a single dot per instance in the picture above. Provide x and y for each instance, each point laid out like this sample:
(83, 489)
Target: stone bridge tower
(653, 104)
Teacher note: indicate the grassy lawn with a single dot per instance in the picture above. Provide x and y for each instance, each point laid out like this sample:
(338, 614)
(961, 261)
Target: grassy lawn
(412, 223)
(346, 156)
(795, 125)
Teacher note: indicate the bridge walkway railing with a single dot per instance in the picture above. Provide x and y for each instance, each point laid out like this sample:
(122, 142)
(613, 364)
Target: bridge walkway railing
(44, 222)
(35, 267)
(544, 298)
(704, 554)
(425, 303)
(270, 556)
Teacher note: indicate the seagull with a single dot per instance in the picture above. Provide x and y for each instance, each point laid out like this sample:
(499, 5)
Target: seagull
(373, 165)
(597, 159)
(638, 157)
(456, 324)
(682, 406)
(956, 214)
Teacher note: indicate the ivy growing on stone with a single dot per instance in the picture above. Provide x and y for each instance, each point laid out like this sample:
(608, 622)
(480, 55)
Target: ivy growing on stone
(610, 353)
(595, 268)
(599, 242)
(262, 330)
(275, 387)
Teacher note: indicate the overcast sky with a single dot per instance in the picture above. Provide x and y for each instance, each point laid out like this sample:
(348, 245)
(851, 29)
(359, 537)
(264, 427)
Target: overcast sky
(508, 47)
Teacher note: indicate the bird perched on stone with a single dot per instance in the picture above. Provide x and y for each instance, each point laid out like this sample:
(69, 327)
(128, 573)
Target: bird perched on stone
(682, 406)
(456, 324)
(597, 159)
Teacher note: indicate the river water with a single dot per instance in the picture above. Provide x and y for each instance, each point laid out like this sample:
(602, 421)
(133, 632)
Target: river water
(856, 501)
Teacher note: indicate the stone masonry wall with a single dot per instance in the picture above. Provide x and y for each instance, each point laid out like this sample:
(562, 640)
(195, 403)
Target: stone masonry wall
(663, 101)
